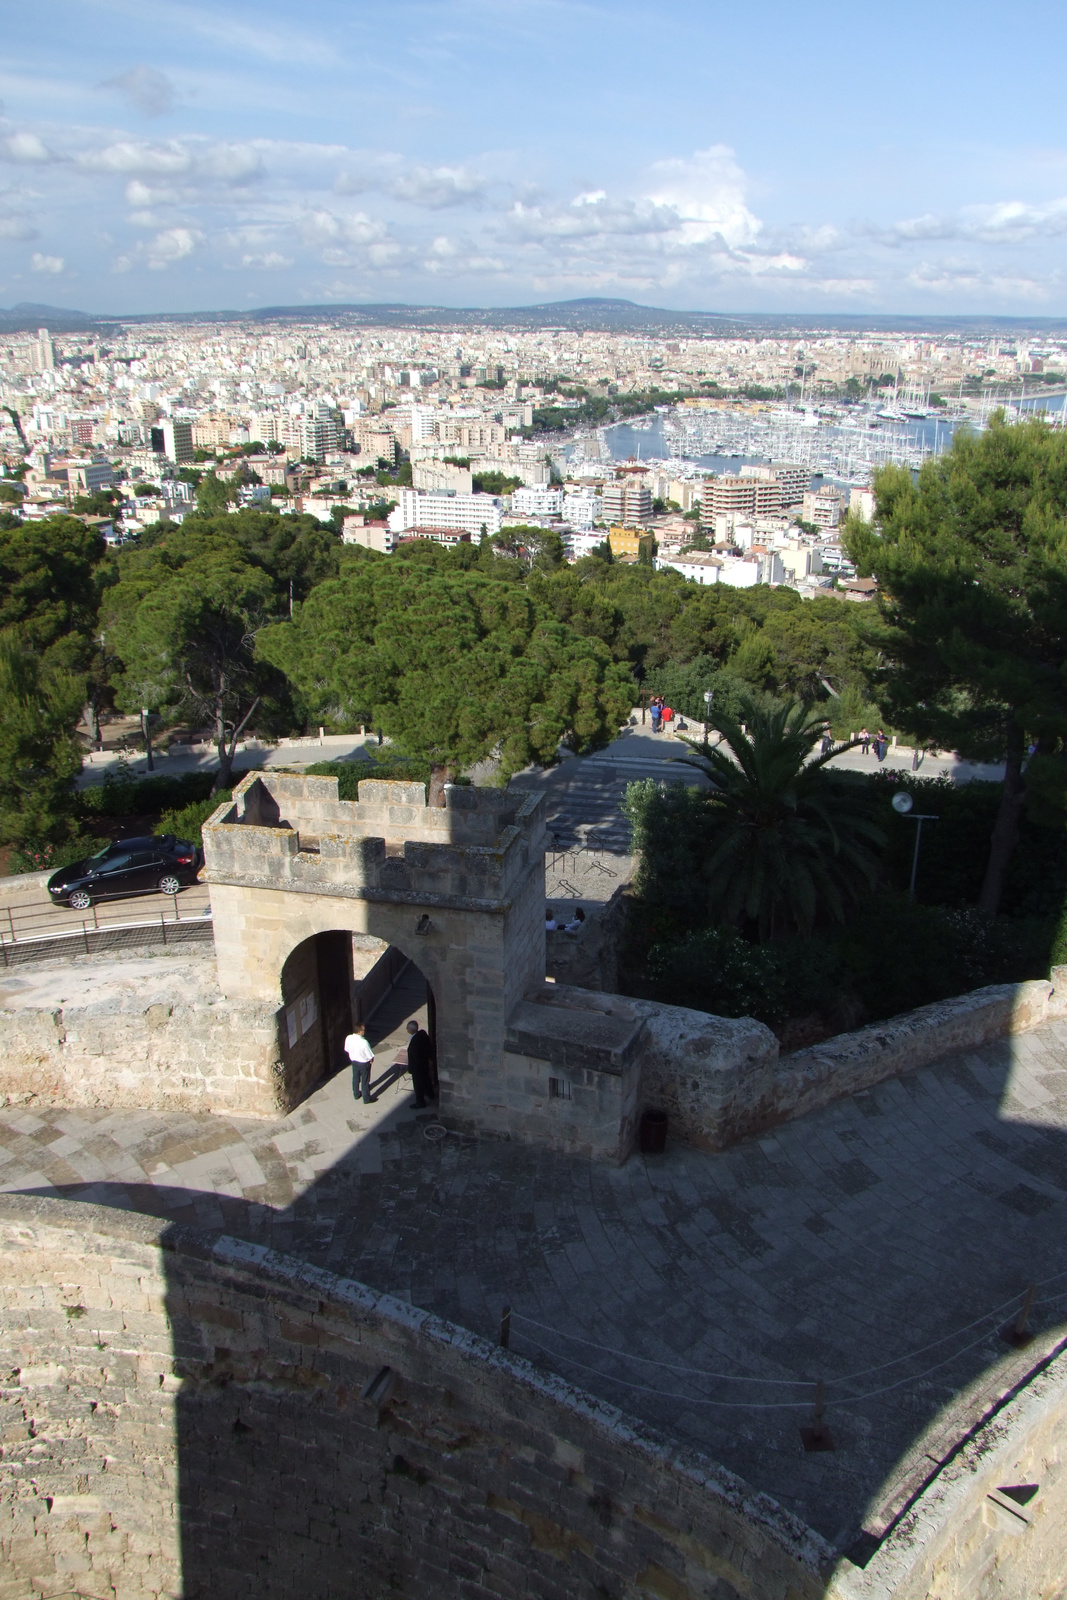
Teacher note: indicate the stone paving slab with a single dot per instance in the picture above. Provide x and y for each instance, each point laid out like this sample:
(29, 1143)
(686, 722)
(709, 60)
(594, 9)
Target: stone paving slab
(704, 1292)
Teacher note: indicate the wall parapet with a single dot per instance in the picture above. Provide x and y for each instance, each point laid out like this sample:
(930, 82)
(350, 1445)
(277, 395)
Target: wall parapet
(294, 833)
(462, 1462)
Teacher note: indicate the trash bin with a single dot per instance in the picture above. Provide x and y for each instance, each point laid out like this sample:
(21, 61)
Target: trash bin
(653, 1134)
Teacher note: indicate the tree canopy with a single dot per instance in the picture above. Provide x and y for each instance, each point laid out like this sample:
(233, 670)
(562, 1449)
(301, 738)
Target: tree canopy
(790, 840)
(183, 619)
(972, 563)
(452, 665)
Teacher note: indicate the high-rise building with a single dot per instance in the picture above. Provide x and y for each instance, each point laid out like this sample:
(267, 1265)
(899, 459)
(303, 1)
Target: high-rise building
(173, 440)
(627, 502)
(792, 479)
(728, 496)
(318, 438)
(45, 358)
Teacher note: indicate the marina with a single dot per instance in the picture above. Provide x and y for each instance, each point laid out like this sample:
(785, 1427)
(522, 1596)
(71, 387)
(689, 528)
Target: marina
(838, 443)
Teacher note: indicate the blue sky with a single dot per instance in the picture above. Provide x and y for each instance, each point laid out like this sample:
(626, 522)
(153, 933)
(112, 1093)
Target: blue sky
(759, 156)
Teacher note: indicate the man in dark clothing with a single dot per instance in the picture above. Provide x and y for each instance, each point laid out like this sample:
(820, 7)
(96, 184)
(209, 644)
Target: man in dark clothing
(420, 1056)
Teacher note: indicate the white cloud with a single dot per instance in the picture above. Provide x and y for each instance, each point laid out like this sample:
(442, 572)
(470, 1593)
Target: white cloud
(150, 91)
(169, 246)
(437, 187)
(48, 264)
(172, 244)
(707, 190)
(26, 148)
(14, 225)
(196, 160)
(590, 215)
(270, 261)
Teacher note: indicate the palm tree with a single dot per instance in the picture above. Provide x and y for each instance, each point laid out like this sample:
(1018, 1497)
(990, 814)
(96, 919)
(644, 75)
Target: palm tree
(793, 840)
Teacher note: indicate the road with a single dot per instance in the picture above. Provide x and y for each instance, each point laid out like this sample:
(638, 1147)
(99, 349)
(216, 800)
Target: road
(35, 917)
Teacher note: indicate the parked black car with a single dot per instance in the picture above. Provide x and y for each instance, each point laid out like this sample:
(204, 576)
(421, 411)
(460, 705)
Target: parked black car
(128, 866)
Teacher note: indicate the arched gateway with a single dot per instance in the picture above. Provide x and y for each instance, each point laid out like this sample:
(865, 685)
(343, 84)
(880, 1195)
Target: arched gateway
(299, 879)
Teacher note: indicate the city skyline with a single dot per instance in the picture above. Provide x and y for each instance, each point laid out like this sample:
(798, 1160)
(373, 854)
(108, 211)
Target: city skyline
(196, 157)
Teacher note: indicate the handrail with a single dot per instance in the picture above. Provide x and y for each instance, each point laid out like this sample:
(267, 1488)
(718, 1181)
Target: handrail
(26, 924)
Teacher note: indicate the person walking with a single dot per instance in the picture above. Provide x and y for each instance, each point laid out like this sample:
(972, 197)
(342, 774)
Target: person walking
(655, 708)
(420, 1057)
(361, 1056)
(865, 742)
(880, 745)
(827, 741)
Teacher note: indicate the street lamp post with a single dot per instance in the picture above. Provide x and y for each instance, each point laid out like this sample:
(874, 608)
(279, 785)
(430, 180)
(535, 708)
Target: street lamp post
(145, 714)
(709, 696)
(902, 804)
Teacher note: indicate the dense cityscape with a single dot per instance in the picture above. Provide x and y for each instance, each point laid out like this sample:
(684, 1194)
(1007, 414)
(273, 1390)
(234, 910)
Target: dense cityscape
(306, 417)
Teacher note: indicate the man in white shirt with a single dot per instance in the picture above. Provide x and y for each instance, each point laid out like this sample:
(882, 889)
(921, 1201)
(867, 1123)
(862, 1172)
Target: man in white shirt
(361, 1056)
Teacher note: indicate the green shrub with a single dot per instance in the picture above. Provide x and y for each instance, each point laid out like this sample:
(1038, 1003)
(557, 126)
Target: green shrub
(128, 796)
(52, 857)
(185, 822)
(716, 970)
(892, 957)
(350, 774)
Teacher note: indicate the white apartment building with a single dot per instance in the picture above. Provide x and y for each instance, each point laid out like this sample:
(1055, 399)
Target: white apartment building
(699, 566)
(824, 507)
(861, 503)
(472, 513)
(441, 477)
(583, 508)
(580, 542)
(799, 560)
(541, 501)
(86, 477)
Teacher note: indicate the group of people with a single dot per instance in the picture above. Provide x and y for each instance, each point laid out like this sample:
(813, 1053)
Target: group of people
(420, 1063)
(659, 711)
(573, 924)
(879, 741)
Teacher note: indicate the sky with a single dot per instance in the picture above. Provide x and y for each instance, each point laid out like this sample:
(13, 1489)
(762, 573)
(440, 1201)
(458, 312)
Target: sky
(830, 156)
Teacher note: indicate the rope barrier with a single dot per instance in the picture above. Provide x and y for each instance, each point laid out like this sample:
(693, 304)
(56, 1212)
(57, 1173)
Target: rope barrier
(728, 1377)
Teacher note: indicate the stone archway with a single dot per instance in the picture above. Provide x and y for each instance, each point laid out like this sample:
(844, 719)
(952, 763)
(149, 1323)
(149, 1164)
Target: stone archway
(331, 980)
(316, 1014)
(460, 890)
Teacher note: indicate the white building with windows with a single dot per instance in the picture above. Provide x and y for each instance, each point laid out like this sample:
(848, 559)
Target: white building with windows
(540, 501)
(583, 508)
(471, 513)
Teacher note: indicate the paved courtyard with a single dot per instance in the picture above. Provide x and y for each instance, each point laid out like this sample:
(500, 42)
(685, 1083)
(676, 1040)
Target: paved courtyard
(878, 1245)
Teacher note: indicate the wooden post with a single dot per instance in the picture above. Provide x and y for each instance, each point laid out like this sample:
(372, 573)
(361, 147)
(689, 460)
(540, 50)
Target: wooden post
(817, 1436)
(1018, 1333)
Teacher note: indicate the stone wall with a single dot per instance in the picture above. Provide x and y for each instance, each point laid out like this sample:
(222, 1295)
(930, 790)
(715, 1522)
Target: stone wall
(990, 1525)
(722, 1080)
(188, 1415)
(151, 1033)
(185, 1414)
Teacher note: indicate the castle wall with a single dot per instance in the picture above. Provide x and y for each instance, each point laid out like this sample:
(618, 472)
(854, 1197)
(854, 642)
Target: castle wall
(990, 1525)
(185, 1415)
(152, 1033)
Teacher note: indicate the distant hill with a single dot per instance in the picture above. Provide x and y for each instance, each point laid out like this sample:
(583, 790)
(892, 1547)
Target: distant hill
(28, 316)
(592, 314)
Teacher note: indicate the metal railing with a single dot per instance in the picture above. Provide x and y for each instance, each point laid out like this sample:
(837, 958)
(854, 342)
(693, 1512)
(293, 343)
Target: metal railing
(33, 931)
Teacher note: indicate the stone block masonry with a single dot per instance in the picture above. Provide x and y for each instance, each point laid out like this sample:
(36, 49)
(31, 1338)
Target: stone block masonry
(722, 1079)
(189, 1415)
(185, 1414)
(147, 1033)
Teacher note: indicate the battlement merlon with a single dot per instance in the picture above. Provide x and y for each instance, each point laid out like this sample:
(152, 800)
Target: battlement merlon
(283, 831)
